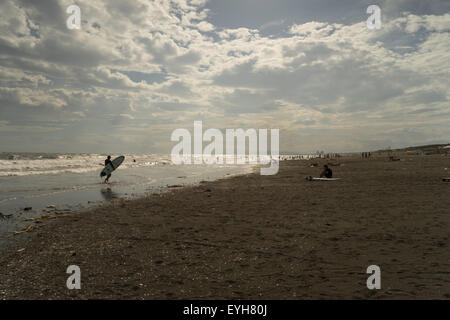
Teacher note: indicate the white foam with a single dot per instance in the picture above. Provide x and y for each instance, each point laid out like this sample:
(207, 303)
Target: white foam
(72, 164)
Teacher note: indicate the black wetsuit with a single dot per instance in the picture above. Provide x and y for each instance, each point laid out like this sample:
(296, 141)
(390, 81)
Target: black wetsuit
(108, 161)
(328, 173)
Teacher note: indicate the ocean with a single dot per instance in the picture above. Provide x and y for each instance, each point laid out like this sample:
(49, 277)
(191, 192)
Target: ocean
(72, 182)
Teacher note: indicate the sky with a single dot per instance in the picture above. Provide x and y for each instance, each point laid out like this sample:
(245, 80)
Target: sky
(137, 70)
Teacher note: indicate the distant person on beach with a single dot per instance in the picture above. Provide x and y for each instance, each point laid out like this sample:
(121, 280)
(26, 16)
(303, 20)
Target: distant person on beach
(327, 173)
(108, 161)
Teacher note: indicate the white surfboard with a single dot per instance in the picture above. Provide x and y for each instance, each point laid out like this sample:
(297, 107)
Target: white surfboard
(108, 169)
(321, 179)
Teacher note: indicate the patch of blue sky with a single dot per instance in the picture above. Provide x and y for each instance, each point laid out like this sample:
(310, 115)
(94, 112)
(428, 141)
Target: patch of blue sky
(150, 78)
(275, 16)
(402, 42)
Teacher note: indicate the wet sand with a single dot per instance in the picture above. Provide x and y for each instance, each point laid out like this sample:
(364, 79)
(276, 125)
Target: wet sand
(252, 237)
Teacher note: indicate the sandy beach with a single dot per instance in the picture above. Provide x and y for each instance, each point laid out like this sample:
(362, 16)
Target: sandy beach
(252, 237)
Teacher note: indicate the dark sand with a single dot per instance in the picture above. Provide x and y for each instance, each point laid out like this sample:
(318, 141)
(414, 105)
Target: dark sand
(253, 237)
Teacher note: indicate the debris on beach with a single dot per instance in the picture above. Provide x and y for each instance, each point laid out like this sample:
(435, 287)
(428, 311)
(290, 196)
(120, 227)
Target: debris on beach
(27, 208)
(28, 229)
(5, 216)
(175, 186)
(20, 250)
(43, 218)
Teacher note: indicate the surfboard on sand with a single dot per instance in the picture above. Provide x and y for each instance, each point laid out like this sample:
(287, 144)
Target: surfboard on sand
(108, 169)
(321, 179)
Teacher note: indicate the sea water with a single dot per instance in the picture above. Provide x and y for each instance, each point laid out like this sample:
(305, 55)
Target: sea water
(72, 182)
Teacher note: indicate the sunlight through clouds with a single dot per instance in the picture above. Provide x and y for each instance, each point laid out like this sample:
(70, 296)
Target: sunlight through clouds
(153, 66)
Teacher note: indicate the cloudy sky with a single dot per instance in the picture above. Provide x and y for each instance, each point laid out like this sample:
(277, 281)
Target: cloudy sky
(138, 69)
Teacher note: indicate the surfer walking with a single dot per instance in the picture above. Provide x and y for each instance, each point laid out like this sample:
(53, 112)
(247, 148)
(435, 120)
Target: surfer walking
(327, 173)
(110, 166)
(108, 161)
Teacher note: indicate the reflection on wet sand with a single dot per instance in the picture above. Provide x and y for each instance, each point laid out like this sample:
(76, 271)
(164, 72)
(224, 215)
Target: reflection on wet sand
(108, 194)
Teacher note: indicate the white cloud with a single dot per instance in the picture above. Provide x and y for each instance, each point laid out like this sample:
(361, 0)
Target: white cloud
(324, 80)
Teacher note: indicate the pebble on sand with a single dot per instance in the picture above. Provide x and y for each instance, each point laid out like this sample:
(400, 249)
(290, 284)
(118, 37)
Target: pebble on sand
(5, 216)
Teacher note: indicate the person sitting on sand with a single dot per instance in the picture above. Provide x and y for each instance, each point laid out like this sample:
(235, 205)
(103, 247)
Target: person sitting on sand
(327, 173)
(108, 161)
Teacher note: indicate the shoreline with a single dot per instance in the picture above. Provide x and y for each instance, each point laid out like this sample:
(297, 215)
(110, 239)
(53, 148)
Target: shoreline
(41, 215)
(16, 213)
(252, 237)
